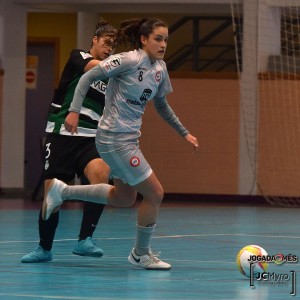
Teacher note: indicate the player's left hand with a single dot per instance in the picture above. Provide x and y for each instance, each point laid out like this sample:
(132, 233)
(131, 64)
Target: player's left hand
(71, 122)
(193, 140)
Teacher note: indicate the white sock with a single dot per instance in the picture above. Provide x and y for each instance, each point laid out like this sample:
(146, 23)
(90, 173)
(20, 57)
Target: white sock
(97, 193)
(143, 238)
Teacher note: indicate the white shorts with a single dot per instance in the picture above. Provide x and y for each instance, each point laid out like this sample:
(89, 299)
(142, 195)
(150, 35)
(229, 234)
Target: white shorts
(124, 157)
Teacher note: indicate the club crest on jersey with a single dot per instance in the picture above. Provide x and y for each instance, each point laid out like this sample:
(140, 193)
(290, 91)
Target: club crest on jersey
(112, 63)
(158, 76)
(135, 161)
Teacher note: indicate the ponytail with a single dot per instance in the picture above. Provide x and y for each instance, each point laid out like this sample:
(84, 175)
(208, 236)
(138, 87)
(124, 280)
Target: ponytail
(131, 30)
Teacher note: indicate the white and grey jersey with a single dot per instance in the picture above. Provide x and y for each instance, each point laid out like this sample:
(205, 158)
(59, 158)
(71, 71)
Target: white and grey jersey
(134, 80)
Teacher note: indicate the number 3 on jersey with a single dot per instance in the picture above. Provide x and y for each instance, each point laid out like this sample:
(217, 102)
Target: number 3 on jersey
(48, 151)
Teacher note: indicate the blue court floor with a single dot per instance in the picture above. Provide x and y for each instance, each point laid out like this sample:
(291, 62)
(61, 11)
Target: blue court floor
(200, 240)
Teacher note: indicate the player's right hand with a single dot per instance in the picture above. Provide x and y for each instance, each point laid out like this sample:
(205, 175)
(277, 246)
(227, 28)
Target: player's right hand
(71, 122)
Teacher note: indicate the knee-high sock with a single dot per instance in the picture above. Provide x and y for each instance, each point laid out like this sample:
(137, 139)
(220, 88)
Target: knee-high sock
(91, 215)
(97, 193)
(143, 238)
(47, 230)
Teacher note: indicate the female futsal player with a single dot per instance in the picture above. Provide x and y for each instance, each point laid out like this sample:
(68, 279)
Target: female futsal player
(135, 77)
(68, 155)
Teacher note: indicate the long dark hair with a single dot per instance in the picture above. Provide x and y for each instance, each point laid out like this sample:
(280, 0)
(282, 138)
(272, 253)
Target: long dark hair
(131, 30)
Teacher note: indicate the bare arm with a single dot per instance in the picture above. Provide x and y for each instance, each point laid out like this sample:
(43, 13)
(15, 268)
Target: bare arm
(91, 64)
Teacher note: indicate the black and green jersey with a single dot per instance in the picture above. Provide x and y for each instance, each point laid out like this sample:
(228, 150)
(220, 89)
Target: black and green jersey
(93, 103)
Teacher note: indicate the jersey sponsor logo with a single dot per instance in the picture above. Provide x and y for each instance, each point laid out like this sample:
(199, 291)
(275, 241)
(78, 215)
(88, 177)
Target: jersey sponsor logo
(107, 66)
(142, 68)
(133, 102)
(100, 86)
(115, 62)
(85, 55)
(112, 63)
(158, 76)
(146, 95)
(135, 161)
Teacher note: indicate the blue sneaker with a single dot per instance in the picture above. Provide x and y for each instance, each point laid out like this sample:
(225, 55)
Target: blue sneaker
(37, 255)
(87, 248)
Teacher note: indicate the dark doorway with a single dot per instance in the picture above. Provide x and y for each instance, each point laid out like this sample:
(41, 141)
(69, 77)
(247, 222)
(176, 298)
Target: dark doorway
(38, 99)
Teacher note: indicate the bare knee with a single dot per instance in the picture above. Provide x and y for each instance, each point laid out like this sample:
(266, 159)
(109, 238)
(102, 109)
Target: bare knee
(97, 171)
(155, 197)
(151, 190)
(126, 202)
(159, 195)
(121, 199)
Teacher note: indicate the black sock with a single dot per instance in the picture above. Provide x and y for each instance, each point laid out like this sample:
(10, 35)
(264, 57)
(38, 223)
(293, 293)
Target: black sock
(47, 230)
(91, 215)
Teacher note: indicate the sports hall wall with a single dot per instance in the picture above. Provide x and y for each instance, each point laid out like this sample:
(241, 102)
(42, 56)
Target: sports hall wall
(208, 106)
(1, 91)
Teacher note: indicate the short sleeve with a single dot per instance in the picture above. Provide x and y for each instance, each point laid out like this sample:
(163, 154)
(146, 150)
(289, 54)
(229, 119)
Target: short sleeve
(80, 59)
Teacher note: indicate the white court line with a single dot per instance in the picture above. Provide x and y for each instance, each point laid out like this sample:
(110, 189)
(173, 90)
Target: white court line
(227, 234)
(170, 237)
(52, 297)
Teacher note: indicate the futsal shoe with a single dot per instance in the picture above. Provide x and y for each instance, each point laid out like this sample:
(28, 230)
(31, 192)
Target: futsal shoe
(53, 198)
(37, 255)
(148, 261)
(87, 247)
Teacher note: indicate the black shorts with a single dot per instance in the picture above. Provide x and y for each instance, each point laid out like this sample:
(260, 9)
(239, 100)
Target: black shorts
(67, 156)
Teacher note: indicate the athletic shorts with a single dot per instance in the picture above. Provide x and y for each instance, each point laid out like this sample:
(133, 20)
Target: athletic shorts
(124, 157)
(67, 156)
